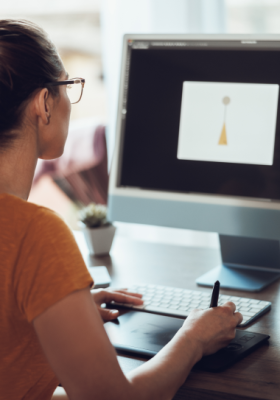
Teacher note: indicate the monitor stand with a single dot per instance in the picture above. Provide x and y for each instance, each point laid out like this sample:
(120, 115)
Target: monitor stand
(247, 264)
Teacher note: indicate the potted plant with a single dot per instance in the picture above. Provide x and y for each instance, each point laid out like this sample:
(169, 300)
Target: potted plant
(99, 233)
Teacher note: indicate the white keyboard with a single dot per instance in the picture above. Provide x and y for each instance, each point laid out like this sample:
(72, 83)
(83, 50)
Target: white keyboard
(180, 302)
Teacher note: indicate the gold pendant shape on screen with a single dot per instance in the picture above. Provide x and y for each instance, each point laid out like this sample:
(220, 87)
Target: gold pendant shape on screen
(223, 136)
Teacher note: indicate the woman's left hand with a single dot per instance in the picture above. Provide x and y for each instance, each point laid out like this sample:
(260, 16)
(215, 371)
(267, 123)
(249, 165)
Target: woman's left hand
(101, 296)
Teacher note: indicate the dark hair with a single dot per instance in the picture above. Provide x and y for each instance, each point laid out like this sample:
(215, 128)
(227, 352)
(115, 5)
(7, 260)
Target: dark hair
(28, 61)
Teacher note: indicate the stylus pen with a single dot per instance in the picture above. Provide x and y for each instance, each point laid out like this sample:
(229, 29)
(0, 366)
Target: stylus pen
(215, 295)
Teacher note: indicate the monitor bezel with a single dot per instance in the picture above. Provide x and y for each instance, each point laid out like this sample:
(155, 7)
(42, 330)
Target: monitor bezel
(115, 190)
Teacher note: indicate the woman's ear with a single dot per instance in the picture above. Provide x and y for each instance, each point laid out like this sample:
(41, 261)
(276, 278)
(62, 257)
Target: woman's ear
(43, 106)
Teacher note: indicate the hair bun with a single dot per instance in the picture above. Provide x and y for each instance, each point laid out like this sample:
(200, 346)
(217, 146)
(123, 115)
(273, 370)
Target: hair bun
(29, 61)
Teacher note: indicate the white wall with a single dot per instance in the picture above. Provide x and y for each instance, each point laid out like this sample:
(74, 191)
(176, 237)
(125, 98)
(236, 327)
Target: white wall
(149, 16)
(31, 7)
(73, 25)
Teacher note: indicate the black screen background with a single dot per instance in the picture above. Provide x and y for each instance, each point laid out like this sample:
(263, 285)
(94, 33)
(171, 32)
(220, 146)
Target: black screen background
(149, 159)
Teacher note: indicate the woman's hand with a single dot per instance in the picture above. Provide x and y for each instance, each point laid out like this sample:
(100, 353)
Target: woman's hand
(212, 329)
(101, 296)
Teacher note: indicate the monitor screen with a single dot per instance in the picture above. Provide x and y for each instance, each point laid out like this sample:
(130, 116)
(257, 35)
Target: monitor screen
(202, 118)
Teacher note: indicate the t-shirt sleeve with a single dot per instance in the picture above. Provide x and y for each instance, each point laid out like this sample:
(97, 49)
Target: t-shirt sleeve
(50, 265)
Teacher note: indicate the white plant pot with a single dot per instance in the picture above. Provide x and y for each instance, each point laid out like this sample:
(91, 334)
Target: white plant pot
(99, 240)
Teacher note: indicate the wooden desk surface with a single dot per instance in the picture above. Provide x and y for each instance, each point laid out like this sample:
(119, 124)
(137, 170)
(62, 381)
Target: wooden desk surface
(255, 377)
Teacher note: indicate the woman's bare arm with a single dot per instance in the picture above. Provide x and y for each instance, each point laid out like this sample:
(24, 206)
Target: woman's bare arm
(77, 347)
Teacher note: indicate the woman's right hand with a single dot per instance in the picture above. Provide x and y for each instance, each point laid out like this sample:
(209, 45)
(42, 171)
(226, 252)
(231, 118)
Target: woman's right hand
(212, 329)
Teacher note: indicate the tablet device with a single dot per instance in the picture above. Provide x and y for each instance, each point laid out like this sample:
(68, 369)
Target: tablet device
(145, 334)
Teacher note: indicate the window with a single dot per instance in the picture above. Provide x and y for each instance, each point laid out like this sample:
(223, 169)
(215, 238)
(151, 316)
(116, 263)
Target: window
(253, 16)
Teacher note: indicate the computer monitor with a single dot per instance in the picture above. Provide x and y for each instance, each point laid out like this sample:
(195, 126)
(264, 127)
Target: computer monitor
(198, 146)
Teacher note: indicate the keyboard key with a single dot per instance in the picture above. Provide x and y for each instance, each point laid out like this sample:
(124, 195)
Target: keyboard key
(155, 298)
(186, 298)
(182, 308)
(155, 303)
(248, 314)
(167, 299)
(172, 301)
(194, 307)
(241, 309)
(243, 302)
(254, 301)
(162, 304)
(184, 305)
(255, 309)
(234, 299)
(172, 307)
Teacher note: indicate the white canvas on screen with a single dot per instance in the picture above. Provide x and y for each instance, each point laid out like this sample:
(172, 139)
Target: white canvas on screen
(228, 122)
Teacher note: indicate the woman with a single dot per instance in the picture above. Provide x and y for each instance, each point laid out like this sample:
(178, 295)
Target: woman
(51, 324)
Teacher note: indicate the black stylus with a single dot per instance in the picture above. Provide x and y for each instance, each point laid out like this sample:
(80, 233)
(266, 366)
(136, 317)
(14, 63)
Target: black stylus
(215, 295)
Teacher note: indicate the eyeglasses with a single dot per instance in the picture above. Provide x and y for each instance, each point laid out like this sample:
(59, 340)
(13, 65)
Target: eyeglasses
(75, 87)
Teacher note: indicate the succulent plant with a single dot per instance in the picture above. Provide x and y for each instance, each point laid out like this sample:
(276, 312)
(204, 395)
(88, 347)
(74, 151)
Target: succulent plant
(94, 215)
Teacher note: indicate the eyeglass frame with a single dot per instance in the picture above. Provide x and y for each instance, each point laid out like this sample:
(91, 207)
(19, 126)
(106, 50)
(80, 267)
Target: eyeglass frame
(82, 81)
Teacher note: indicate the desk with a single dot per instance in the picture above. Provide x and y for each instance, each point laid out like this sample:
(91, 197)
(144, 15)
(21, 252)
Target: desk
(255, 377)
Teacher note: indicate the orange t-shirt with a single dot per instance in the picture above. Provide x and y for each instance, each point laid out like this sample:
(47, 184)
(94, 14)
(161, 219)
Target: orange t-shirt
(40, 264)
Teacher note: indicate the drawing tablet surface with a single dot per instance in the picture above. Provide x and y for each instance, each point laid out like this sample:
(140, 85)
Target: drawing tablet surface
(145, 334)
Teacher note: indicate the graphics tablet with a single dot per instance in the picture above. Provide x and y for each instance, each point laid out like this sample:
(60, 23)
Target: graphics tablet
(145, 334)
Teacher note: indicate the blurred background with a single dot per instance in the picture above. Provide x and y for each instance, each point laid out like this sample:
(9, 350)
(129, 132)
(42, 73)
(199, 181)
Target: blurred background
(88, 35)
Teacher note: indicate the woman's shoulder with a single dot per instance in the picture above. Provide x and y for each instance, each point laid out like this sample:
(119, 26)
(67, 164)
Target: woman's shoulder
(22, 214)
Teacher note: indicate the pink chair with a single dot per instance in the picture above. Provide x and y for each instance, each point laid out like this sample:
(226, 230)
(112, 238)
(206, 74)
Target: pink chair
(82, 171)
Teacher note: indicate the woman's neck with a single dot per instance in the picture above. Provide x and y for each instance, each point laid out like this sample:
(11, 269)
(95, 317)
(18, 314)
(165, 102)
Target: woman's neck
(17, 166)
